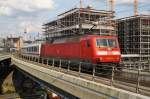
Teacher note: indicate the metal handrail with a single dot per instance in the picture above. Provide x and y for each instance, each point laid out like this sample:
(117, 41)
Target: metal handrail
(96, 71)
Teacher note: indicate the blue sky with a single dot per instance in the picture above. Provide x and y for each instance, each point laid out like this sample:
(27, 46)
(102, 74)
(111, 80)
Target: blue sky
(15, 15)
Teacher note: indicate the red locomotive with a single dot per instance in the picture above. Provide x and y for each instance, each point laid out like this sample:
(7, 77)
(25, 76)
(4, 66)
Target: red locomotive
(95, 49)
(90, 48)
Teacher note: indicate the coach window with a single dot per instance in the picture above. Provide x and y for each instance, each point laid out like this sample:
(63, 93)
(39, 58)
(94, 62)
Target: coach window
(28, 49)
(35, 49)
(87, 43)
(32, 49)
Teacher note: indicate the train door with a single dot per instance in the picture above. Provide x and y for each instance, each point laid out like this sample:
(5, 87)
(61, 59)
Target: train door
(42, 50)
(86, 51)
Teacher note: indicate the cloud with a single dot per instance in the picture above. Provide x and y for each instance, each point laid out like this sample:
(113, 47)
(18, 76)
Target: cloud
(146, 12)
(9, 7)
(16, 15)
(31, 26)
(5, 11)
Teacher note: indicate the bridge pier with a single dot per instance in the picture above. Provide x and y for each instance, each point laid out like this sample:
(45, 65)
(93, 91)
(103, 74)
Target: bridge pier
(49, 87)
(5, 72)
(15, 84)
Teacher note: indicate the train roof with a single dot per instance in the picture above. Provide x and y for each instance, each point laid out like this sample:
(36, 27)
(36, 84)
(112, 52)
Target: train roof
(107, 36)
(80, 37)
(32, 45)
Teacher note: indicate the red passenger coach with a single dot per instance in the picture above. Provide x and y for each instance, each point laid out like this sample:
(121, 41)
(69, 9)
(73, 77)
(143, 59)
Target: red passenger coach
(90, 48)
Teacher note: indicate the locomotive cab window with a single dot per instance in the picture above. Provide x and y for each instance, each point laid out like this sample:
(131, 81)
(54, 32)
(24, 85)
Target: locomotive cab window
(112, 43)
(101, 43)
(106, 43)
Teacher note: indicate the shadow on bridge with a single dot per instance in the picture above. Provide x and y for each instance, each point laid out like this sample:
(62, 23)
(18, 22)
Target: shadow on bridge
(5, 70)
(27, 88)
(23, 86)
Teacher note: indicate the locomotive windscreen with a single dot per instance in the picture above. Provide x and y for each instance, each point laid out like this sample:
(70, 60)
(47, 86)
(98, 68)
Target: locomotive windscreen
(106, 43)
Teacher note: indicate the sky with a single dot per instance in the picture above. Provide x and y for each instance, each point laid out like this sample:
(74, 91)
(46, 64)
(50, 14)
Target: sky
(16, 15)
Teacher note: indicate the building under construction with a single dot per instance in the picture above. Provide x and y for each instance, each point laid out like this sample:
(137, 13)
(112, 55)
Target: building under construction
(134, 35)
(79, 21)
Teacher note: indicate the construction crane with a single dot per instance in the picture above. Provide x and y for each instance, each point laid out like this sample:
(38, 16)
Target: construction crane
(80, 3)
(111, 5)
(135, 7)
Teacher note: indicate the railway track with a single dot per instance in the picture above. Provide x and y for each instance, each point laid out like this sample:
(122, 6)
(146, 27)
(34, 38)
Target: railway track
(135, 80)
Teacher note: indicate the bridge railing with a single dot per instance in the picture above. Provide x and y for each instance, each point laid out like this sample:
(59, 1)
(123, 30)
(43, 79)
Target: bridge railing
(133, 76)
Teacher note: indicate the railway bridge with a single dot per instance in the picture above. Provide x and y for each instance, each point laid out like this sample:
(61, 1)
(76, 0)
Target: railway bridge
(76, 84)
(4, 56)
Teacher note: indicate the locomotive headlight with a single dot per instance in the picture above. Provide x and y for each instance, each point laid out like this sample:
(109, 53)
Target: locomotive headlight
(115, 52)
(102, 53)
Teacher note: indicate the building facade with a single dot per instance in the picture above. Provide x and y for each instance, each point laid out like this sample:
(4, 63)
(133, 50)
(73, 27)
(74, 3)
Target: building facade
(14, 43)
(78, 21)
(134, 35)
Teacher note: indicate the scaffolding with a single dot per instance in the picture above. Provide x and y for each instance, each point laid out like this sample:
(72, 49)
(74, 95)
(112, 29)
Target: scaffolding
(79, 21)
(134, 35)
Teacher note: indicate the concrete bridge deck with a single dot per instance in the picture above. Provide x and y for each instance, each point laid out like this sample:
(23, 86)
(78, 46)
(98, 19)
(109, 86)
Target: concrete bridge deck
(82, 88)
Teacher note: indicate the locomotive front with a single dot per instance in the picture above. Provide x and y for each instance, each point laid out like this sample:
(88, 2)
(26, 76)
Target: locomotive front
(107, 50)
